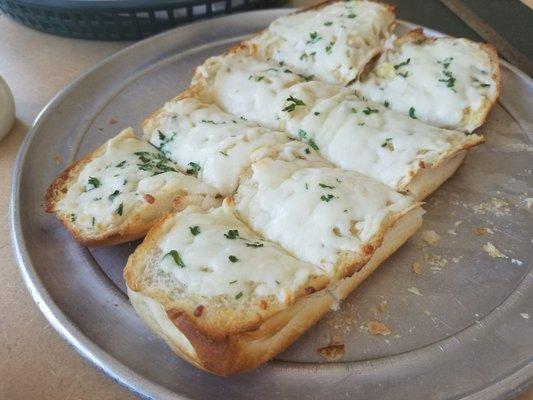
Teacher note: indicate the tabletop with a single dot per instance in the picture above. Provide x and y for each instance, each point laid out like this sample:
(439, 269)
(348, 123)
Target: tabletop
(35, 363)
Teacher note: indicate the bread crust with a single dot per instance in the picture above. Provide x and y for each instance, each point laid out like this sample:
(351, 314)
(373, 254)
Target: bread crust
(132, 228)
(246, 349)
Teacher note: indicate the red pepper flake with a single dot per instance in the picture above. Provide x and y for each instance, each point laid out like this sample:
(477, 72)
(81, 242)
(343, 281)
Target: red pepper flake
(310, 290)
(368, 249)
(422, 164)
(149, 198)
(263, 304)
(198, 311)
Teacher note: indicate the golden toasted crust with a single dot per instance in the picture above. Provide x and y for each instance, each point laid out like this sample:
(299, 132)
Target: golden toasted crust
(226, 354)
(133, 227)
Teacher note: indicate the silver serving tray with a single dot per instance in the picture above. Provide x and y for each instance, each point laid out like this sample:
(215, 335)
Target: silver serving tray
(466, 336)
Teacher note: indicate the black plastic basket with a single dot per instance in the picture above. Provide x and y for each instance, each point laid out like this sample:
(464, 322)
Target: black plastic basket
(119, 19)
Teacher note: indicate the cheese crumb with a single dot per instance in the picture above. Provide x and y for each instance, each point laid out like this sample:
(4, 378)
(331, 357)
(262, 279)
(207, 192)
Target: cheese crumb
(430, 237)
(524, 315)
(492, 251)
(383, 306)
(417, 268)
(414, 290)
(378, 328)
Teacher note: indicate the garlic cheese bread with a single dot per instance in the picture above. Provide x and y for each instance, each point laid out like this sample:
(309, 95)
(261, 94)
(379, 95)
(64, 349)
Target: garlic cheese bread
(218, 293)
(354, 134)
(446, 82)
(116, 193)
(197, 135)
(331, 41)
(322, 214)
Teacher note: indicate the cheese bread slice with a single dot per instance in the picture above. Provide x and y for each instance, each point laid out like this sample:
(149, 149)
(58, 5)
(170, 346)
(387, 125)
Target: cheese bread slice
(446, 82)
(322, 214)
(217, 292)
(332, 41)
(354, 134)
(117, 192)
(197, 135)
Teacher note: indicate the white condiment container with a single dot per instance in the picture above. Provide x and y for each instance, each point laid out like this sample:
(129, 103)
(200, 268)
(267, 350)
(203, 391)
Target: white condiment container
(7, 109)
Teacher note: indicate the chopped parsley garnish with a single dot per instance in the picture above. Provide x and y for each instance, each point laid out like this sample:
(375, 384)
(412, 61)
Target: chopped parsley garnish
(120, 209)
(232, 234)
(176, 257)
(121, 164)
(195, 230)
(257, 78)
(388, 144)
(302, 134)
(287, 71)
(113, 195)
(338, 180)
(326, 197)
(255, 245)
(402, 64)
(403, 74)
(194, 168)
(484, 85)
(354, 110)
(316, 113)
(93, 220)
(294, 102)
(72, 217)
(448, 79)
(94, 182)
(386, 104)
(313, 144)
(306, 186)
(329, 47)
(368, 110)
(305, 56)
(352, 15)
(361, 123)
(232, 282)
(244, 119)
(307, 151)
(328, 23)
(306, 78)
(238, 296)
(233, 259)
(412, 113)
(313, 38)
(164, 139)
(155, 162)
(323, 185)
(223, 153)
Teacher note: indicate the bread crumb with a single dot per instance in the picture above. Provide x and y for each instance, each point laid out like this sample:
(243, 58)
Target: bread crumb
(496, 206)
(58, 159)
(332, 352)
(517, 262)
(414, 290)
(430, 237)
(378, 328)
(112, 121)
(528, 202)
(480, 231)
(524, 315)
(417, 268)
(451, 232)
(383, 306)
(457, 223)
(492, 251)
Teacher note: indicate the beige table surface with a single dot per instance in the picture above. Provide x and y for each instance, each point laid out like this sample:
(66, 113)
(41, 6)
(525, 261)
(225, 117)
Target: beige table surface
(35, 363)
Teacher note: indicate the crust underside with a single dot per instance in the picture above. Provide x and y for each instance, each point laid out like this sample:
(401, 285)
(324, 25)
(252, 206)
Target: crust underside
(247, 350)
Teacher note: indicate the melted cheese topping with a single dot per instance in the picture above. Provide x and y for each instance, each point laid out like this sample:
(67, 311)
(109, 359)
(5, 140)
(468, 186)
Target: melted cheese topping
(353, 134)
(211, 254)
(316, 212)
(440, 81)
(219, 144)
(332, 43)
(113, 185)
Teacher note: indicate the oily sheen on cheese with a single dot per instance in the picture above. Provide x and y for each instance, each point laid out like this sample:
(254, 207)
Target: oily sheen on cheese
(200, 136)
(354, 134)
(332, 43)
(450, 83)
(323, 215)
(205, 255)
(129, 174)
